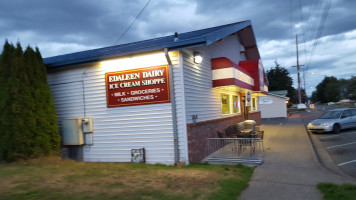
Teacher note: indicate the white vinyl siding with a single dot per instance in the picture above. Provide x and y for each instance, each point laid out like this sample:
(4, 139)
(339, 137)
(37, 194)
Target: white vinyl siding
(180, 108)
(201, 98)
(277, 107)
(118, 130)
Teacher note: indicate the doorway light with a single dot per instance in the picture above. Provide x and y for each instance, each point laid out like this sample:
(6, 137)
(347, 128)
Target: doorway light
(197, 57)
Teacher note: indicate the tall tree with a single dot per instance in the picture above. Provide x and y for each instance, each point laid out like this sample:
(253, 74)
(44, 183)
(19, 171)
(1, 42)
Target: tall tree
(303, 96)
(28, 122)
(6, 114)
(314, 97)
(328, 90)
(344, 88)
(279, 79)
(352, 88)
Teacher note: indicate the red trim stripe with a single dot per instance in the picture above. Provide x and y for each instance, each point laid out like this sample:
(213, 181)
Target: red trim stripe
(221, 63)
(231, 81)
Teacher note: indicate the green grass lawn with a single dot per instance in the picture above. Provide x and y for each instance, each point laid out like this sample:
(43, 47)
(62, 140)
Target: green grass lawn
(55, 178)
(337, 192)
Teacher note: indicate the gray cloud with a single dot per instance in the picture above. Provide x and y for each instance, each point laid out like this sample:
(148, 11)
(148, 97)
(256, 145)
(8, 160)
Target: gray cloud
(60, 27)
(85, 22)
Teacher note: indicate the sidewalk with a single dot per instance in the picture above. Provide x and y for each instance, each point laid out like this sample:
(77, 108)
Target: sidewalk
(290, 169)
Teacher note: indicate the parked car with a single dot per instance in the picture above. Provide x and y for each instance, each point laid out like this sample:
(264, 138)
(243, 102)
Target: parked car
(301, 106)
(334, 120)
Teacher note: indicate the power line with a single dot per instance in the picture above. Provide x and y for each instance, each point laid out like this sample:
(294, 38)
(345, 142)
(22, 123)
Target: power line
(311, 23)
(325, 14)
(128, 28)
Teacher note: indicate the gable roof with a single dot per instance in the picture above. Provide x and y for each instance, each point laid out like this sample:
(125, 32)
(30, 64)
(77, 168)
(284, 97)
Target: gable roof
(185, 40)
(279, 92)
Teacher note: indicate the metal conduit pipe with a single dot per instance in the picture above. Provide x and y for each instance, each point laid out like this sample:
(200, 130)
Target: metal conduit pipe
(173, 105)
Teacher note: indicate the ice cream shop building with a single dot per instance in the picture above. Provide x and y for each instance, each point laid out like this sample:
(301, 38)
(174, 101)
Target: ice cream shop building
(160, 97)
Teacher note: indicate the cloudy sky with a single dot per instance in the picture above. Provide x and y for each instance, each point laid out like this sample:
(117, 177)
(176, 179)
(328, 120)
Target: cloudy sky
(325, 49)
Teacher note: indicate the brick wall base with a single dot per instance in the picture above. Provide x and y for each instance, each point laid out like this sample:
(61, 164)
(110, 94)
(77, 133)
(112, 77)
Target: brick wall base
(198, 132)
(255, 116)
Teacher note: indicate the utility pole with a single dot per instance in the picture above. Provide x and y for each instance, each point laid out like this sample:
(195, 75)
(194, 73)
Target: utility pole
(305, 89)
(299, 97)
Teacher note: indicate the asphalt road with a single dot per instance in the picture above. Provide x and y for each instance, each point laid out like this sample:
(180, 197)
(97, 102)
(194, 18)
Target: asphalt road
(341, 147)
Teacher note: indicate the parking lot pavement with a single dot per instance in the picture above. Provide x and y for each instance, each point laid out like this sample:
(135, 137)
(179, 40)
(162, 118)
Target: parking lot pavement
(342, 149)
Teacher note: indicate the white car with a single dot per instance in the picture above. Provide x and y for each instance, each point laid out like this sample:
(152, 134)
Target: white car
(334, 120)
(301, 106)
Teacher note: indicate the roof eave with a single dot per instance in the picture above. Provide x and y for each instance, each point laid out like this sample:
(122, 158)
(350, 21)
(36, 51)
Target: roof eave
(171, 46)
(224, 32)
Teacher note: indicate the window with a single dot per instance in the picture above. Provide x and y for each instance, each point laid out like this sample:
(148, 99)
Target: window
(236, 104)
(353, 112)
(345, 114)
(230, 104)
(225, 104)
(253, 106)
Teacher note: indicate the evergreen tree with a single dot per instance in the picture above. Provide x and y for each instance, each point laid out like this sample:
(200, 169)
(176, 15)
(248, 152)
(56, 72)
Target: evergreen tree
(279, 79)
(6, 68)
(28, 121)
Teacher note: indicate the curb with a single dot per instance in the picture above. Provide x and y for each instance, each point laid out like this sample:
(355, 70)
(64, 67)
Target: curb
(325, 159)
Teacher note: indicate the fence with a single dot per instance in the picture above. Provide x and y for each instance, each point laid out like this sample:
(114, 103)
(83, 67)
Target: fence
(234, 150)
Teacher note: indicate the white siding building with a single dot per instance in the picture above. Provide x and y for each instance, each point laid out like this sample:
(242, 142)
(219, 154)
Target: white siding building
(153, 95)
(273, 106)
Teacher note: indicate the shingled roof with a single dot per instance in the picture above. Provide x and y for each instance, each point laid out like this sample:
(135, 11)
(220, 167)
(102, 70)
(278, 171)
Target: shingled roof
(185, 40)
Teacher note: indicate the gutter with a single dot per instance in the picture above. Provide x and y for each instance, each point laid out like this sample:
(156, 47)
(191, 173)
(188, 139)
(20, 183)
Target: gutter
(173, 105)
(84, 57)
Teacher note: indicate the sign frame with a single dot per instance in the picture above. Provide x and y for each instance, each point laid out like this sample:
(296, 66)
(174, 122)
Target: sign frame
(158, 92)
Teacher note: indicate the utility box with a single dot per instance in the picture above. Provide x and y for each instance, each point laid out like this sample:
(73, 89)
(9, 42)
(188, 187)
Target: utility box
(87, 125)
(88, 138)
(72, 133)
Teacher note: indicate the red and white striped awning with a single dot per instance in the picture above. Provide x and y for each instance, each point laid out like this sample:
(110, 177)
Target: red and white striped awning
(248, 74)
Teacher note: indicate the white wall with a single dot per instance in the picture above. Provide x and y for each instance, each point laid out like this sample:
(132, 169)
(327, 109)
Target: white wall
(180, 106)
(200, 97)
(277, 108)
(118, 130)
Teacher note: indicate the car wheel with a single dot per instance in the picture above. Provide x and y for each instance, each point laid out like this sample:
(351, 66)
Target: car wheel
(336, 129)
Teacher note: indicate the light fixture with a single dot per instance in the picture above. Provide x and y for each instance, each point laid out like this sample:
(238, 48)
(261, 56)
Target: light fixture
(194, 118)
(197, 57)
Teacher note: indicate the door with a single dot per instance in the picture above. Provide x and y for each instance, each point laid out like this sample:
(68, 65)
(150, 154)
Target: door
(346, 119)
(353, 118)
(244, 108)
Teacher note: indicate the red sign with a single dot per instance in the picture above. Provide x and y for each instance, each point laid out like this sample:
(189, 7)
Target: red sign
(138, 86)
(236, 104)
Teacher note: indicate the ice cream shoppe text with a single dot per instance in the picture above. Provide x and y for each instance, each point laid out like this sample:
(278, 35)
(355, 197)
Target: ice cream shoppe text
(138, 86)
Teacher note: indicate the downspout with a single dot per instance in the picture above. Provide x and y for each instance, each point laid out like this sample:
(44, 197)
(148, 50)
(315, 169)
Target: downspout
(173, 104)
